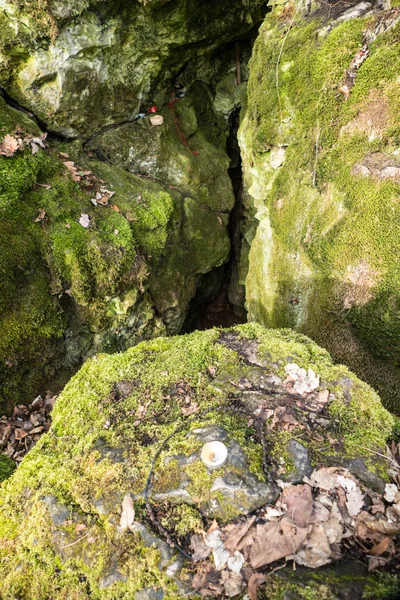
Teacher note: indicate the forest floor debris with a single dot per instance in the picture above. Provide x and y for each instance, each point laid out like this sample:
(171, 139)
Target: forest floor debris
(28, 422)
(312, 524)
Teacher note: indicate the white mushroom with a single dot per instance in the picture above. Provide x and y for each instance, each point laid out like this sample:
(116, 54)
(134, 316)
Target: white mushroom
(214, 454)
(156, 120)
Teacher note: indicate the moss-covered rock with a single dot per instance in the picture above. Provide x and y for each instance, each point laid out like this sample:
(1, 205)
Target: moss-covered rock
(320, 145)
(134, 423)
(187, 155)
(7, 467)
(67, 290)
(85, 64)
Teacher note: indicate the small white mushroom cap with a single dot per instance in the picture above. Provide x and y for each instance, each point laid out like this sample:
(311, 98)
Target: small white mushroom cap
(214, 454)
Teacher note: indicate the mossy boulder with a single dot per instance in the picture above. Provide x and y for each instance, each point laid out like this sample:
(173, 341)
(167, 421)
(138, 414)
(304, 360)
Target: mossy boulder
(320, 143)
(187, 155)
(66, 289)
(86, 64)
(134, 423)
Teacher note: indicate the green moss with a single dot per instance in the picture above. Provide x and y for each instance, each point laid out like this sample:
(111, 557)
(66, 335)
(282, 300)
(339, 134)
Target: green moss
(328, 237)
(7, 467)
(182, 520)
(150, 223)
(91, 423)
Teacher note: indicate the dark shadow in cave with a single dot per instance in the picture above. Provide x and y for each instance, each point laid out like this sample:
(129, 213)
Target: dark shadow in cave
(212, 304)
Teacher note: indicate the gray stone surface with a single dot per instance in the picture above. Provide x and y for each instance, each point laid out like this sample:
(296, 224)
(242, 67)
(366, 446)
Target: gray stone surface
(58, 512)
(301, 462)
(150, 593)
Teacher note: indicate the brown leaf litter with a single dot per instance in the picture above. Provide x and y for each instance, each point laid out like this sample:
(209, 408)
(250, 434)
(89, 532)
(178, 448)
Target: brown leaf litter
(20, 432)
(18, 141)
(312, 524)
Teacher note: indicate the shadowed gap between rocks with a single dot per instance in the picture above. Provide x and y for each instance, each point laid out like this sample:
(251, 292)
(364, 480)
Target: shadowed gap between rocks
(220, 298)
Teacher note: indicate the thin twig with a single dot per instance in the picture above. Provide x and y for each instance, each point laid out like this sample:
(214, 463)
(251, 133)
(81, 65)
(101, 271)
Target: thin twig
(276, 569)
(76, 542)
(392, 24)
(379, 454)
(316, 155)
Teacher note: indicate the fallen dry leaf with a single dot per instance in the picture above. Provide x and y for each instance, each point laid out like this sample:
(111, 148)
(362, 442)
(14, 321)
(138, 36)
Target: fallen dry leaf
(40, 216)
(128, 513)
(383, 546)
(344, 89)
(255, 581)
(236, 535)
(276, 540)
(355, 499)
(115, 208)
(232, 582)
(391, 491)
(200, 550)
(220, 553)
(375, 562)
(299, 504)
(302, 381)
(8, 146)
(72, 169)
(190, 410)
(236, 562)
(207, 581)
(84, 220)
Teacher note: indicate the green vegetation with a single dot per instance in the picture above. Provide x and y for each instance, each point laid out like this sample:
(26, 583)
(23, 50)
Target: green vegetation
(7, 467)
(71, 469)
(328, 238)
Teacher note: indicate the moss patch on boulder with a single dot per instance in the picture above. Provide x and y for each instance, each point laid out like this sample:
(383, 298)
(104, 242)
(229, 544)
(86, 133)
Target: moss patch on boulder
(322, 177)
(154, 406)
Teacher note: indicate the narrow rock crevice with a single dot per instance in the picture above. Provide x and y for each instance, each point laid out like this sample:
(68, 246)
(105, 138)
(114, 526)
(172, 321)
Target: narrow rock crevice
(220, 298)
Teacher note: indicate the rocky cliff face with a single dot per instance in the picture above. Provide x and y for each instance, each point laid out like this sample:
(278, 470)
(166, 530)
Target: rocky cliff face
(84, 72)
(320, 148)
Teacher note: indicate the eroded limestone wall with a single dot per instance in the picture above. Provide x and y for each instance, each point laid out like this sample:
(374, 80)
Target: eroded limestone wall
(320, 144)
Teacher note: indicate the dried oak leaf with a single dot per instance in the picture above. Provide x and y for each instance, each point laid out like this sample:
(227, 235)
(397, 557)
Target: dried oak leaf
(207, 581)
(318, 550)
(371, 528)
(72, 169)
(276, 540)
(200, 550)
(128, 513)
(232, 582)
(299, 504)
(237, 534)
(255, 581)
(355, 499)
(9, 146)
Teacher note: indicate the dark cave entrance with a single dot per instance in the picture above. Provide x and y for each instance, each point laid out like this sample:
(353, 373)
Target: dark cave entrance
(219, 299)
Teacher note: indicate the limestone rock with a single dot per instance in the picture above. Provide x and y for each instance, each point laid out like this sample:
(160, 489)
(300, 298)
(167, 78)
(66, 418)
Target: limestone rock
(321, 175)
(119, 431)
